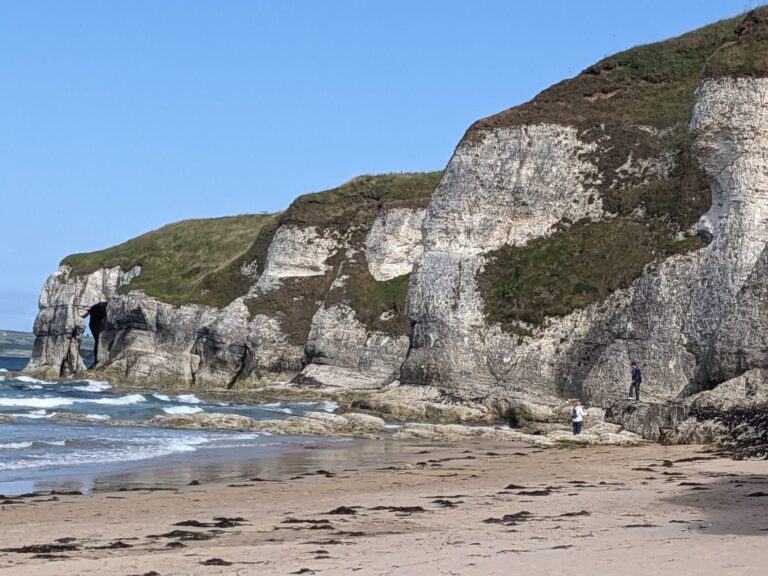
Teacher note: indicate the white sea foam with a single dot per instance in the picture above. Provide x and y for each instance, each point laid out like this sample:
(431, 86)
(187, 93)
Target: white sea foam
(15, 445)
(276, 407)
(97, 417)
(328, 405)
(2, 378)
(182, 410)
(3, 370)
(162, 397)
(30, 380)
(119, 401)
(94, 386)
(159, 447)
(31, 443)
(189, 399)
(36, 402)
(35, 414)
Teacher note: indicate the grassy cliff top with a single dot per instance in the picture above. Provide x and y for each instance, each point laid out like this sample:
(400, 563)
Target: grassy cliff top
(746, 55)
(199, 261)
(174, 259)
(358, 200)
(649, 85)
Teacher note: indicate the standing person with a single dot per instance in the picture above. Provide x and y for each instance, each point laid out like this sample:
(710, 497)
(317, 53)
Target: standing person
(577, 417)
(634, 387)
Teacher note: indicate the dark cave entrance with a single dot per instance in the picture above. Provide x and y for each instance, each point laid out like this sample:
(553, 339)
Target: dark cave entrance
(97, 322)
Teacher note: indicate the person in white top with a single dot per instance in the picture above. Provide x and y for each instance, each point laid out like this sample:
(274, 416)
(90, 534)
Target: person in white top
(577, 417)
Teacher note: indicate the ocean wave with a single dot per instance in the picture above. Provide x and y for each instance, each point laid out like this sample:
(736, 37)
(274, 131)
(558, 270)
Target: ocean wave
(94, 386)
(276, 407)
(37, 402)
(35, 414)
(57, 402)
(159, 447)
(119, 401)
(188, 399)
(32, 444)
(161, 397)
(15, 445)
(30, 380)
(182, 410)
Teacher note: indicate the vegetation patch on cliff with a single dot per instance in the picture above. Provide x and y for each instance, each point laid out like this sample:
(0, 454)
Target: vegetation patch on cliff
(350, 209)
(359, 200)
(555, 275)
(747, 54)
(294, 304)
(379, 305)
(176, 258)
(224, 285)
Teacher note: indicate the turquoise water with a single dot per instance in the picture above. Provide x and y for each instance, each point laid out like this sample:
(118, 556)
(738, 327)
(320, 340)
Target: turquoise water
(52, 431)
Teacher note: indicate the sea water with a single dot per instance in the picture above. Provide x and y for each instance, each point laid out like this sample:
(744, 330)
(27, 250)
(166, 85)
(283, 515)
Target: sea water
(73, 432)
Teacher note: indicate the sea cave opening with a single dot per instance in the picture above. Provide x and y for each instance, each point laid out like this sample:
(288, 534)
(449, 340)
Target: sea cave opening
(96, 320)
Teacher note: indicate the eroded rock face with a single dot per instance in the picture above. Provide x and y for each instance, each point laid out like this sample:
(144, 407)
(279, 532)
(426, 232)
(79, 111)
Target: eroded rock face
(64, 303)
(510, 186)
(690, 321)
(343, 352)
(394, 243)
(297, 252)
(507, 187)
(729, 129)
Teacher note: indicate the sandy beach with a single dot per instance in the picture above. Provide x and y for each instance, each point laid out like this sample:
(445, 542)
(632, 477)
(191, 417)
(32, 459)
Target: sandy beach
(416, 509)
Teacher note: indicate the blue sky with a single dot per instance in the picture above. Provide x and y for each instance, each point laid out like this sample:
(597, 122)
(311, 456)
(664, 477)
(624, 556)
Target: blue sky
(118, 117)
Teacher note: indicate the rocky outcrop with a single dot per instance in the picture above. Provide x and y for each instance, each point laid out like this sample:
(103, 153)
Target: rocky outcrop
(344, 353)
(297, 313)
(297, 252)
(690, 321)
(311, 424)
(394, 243)
(65, 302)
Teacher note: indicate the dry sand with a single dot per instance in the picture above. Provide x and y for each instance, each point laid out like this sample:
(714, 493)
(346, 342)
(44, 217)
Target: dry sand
(469, 509)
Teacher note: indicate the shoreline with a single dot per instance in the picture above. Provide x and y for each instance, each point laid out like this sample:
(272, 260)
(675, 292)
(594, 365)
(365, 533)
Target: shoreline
(416, 508)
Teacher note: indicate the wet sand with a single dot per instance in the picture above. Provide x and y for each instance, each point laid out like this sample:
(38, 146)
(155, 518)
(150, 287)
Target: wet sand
(391, 508)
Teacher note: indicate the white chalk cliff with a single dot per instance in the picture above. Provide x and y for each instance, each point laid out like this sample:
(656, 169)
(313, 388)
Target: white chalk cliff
(693, 319)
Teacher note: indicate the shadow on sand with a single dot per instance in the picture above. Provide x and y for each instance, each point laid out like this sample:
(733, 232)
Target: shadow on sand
(732, 504)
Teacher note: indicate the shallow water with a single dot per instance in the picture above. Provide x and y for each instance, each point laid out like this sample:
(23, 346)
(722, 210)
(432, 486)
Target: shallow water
(41, 444)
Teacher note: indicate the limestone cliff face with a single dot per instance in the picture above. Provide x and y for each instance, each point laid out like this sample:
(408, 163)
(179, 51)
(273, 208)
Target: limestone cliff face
(64, 302)
(296, 317)
(322, 298)
(691, 321)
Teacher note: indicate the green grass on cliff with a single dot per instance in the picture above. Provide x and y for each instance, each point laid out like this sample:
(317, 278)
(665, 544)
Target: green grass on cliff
(556, 275)
(358, 201)
(746, 55)
(350, 208)
(176, 259)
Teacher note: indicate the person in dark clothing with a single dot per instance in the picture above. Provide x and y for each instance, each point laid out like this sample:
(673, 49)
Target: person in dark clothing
(634, 387)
